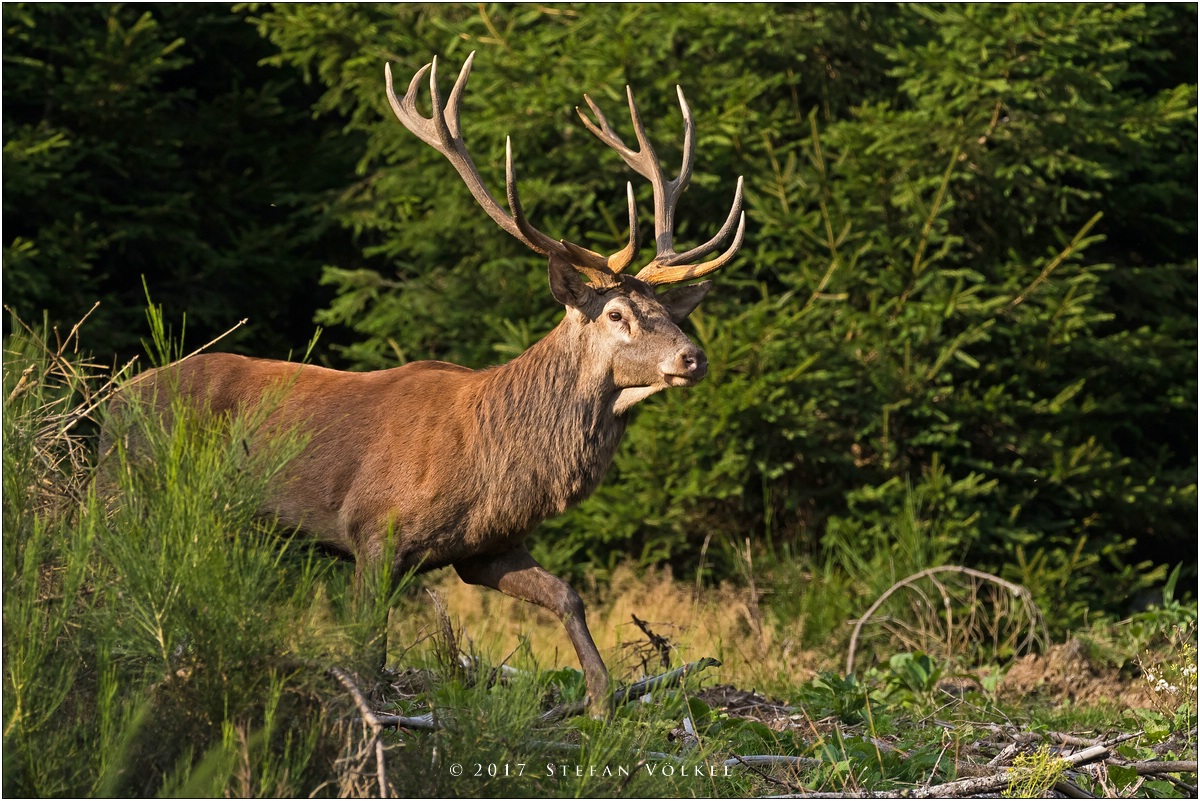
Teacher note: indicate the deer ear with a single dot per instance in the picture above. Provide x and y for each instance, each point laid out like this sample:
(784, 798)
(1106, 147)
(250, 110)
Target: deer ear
(683, 300)
(567, 285)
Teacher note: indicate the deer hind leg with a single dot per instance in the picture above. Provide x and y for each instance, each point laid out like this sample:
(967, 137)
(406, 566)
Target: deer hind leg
(517, 574)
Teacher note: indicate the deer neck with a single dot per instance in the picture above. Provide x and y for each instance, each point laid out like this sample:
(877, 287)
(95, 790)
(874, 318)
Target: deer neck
(547, 419)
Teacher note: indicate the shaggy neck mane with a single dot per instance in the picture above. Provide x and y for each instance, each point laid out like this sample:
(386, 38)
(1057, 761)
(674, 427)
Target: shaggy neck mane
(546, 426)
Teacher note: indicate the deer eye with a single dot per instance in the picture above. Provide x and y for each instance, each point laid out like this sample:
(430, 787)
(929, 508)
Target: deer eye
(615, 316)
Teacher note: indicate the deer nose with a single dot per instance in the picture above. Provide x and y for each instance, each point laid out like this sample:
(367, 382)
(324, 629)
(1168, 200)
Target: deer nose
(692, 362)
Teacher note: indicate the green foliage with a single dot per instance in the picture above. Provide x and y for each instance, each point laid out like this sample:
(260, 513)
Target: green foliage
(912, 679)
(962, 327)
(841, 696)
(1044, 770)
(151, 618)
(146, 141)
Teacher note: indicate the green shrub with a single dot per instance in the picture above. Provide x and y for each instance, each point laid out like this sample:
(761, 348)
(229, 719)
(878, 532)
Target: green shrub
(145, 625)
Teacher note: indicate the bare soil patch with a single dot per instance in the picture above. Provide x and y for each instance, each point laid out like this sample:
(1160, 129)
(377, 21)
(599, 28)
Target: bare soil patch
(1064, 673)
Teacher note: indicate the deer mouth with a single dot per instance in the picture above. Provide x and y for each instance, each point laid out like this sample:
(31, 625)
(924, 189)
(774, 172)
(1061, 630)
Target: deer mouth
(685, 379)
(685, 368)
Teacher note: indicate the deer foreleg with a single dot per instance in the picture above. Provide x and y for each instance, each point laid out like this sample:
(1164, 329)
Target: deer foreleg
(516, 573)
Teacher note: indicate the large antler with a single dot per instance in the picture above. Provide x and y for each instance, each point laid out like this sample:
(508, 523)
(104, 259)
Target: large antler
(442, 132)
(668, 266)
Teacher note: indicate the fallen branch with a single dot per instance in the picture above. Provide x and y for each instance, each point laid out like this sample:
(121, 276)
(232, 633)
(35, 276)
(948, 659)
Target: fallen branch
(669, 679)
(1148, 766)
(371, 720)
(747, 762)
(567, 710)
(419, 722)
(1073, 739)
(967, 787)
(773, 759)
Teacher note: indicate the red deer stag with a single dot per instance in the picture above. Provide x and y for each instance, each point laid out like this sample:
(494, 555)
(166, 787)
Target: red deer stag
(462, 464)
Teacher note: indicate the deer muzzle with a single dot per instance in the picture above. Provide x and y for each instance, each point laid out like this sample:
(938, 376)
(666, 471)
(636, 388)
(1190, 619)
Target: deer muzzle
(686, 368)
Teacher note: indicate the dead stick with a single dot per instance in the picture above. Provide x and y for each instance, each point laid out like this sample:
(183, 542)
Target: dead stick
(370, 719)
(236, 326)
(420, 722)
(658, 642)
(1148, 766)
(668, 679)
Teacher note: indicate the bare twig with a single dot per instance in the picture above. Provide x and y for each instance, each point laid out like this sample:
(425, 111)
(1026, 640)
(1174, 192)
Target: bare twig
(217, 338)
(658, 642)
(370, 719)
(1016, 590)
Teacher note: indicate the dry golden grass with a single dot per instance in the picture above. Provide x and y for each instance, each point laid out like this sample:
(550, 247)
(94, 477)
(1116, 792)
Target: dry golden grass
(720, 622)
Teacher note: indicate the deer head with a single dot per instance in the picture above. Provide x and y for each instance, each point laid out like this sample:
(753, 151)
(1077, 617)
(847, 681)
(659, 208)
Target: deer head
(631, 331)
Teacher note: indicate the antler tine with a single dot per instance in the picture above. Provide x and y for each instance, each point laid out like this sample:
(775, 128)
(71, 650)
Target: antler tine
(689, 143)
(657, 275)
(666, 193)
(672, 267)
(406, 110)
(445, 137)
(619, 261)
(527, 231)
(712, 244)
(443, 132)
(460, 84)
(667, 265)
